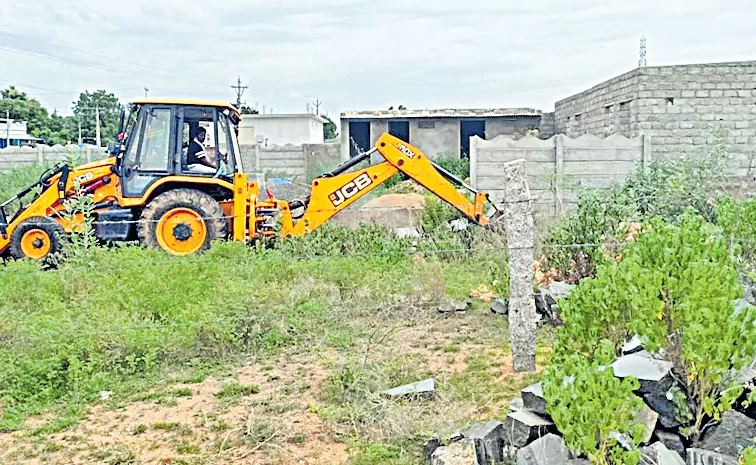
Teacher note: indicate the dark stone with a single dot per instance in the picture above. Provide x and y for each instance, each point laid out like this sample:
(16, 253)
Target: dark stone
(658, 454)
(489, 441)
(707, 457)
(523, 427)
(548, 450)
(731, 435)
(671, 441)
(430, 448)
(532, 397)
(500, 307)
(665, 407)
(451, 306)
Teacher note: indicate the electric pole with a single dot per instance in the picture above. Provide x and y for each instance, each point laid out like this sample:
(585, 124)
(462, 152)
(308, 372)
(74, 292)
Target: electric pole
(145, 92)
(642, 59)
(97, 126)
(317, 104)
(239, 88)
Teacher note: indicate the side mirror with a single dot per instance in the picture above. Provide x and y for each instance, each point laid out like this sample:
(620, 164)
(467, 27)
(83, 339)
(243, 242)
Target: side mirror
(113, 148)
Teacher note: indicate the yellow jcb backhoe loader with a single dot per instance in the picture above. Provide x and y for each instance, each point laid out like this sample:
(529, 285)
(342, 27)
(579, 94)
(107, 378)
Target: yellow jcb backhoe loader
(152, 189)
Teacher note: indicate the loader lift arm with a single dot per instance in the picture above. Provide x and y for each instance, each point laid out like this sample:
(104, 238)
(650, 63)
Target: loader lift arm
(339, 189)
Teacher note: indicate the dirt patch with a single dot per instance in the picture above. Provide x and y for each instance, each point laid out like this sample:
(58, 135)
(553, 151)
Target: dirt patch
(397, 201)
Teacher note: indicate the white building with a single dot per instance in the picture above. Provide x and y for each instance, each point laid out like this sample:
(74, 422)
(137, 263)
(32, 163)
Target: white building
(16, 132)
(281, 129)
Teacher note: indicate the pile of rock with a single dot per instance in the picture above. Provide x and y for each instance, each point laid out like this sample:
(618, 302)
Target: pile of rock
(528, 436)
(546, 298)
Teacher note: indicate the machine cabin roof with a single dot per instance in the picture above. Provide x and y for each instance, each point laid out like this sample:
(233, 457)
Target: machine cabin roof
(178, 101)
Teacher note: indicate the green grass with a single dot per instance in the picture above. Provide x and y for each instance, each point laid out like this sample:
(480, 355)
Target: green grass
(237, 390)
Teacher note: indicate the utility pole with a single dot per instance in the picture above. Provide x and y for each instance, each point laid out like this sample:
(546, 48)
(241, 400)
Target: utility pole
(239, 88)
(317, 104)
(642, 60)
(97, 126)
(145, 92)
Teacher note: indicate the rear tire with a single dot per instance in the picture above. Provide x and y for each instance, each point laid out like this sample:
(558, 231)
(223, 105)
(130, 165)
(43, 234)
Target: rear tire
(181, 222)
(36, 238)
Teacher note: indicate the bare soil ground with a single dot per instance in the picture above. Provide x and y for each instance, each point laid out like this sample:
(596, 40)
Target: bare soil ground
(283, 410)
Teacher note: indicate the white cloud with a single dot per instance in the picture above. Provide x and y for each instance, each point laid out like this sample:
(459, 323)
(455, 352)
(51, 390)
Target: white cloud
(353, 54)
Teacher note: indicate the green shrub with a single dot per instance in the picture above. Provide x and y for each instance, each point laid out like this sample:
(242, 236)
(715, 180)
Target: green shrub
(459, 167)
(674, 286)
(738, 222)
(590, 406)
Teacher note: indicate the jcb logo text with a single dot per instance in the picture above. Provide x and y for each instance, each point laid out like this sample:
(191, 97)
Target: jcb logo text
(406, 150)
(350, 189)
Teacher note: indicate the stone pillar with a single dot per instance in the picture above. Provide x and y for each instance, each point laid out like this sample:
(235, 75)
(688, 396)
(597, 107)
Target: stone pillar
(519, 225)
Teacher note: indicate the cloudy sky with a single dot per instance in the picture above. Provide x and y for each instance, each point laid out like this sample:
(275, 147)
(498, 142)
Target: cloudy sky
(356, 54)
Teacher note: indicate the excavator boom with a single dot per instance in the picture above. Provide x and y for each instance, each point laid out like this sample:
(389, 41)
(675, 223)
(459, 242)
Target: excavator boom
(339, 189)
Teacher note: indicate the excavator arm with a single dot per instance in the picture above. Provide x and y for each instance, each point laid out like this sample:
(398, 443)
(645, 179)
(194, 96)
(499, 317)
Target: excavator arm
(339, 189)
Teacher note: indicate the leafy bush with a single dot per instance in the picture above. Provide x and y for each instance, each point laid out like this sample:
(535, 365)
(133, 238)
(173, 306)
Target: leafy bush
(459, 167)
(665, 189)
(674, 286)
(738, 222)
(591, 407)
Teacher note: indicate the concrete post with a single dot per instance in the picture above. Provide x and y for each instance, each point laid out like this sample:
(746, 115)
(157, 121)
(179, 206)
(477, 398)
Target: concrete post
(519, 225)
(559, 173)
(40, 154)
(646, 157)
(257, 158)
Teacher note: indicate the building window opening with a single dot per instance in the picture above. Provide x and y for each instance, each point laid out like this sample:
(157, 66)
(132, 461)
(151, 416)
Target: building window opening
(400, 129)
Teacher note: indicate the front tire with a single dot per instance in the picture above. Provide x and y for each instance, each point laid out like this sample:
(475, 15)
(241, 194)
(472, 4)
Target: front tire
(181, 222)
(36, 238)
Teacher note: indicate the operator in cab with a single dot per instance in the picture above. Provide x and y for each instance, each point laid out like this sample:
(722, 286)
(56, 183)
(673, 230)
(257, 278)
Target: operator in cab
(196, 157)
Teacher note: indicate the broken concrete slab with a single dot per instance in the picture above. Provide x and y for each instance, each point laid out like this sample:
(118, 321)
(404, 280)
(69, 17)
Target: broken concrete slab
(500, 307)
(489, 441)
(707, 457)
(533, 399)
(516, 404)
(451, 306)
(648, 419)
(427, 386)
(523, 427)
(734, 433)
(654, 375)
(658, 454)
(457, 453)
(548, 450)
(671, 441)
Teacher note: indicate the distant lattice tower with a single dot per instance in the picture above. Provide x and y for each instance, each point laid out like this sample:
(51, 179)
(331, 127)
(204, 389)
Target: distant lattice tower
(642, 60)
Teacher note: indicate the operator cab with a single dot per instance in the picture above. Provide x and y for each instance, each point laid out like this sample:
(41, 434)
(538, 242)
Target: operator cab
(163, 138)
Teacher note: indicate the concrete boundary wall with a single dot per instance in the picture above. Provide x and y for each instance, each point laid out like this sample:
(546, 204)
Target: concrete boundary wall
(17, 157)
(557, 168)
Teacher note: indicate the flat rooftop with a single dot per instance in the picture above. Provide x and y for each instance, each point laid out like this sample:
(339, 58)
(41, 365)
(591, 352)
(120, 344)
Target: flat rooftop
(443, 113)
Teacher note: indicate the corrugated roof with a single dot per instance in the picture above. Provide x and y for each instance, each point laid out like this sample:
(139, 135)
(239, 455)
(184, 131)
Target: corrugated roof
(443, 113)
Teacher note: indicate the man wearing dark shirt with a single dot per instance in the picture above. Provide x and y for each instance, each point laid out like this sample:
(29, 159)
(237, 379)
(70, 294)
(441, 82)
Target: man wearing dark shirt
(196, 158)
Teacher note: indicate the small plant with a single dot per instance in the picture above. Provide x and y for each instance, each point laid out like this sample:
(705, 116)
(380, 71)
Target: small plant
(748, 456)
(237, 390)
(166, 426)
(139, 429)
(593, 409)
(182, 392)
(187, 448)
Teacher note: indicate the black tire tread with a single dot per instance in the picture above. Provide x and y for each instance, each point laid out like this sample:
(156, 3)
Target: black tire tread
(207, 207)
(47, 224)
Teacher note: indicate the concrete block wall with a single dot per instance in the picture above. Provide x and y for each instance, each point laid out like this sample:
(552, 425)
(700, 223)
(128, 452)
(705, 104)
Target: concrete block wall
(685, 110)
(16, 157)
(557, 168)
(604, 109)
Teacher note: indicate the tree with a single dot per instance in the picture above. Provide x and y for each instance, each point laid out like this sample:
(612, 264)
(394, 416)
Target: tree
(85, 111)
(330, 130)
(21, 107)
(245, 110)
